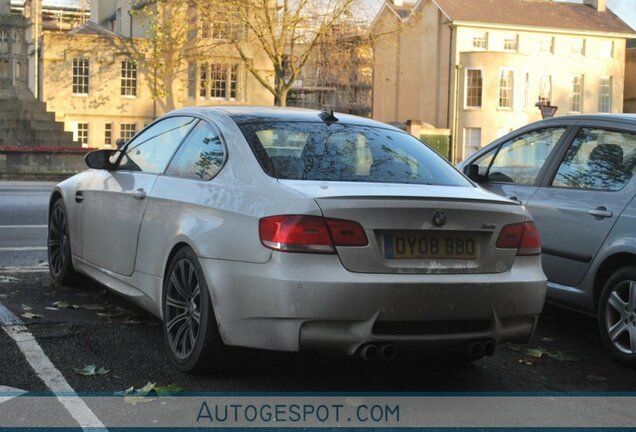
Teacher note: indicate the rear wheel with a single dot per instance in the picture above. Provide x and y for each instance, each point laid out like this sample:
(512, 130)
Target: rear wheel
(617, 315)
(59, 246)
(190, 330)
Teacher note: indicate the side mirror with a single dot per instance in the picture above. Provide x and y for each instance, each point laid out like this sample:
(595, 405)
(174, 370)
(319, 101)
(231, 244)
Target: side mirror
(120, 142)
(99, 159)
(472, 172)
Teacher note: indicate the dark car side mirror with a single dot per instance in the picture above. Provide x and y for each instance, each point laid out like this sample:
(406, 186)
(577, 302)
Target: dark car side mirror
(99, 159)
(472, 172)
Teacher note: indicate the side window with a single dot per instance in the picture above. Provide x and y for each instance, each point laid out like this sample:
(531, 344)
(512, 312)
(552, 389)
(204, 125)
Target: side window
(484, 162)
(151, 150)
(201, 156)
(598, 159)
(520, 160)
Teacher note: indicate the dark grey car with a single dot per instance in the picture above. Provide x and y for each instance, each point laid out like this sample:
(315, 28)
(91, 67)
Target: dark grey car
(576, 176)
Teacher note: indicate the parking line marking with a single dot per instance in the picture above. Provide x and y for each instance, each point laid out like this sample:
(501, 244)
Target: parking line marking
(22, 249)
(38, 269)
(12, 393)
(47, 372)
(22, 226)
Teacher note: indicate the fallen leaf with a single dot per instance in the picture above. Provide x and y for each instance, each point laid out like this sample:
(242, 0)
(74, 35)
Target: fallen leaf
(513, 347)
(93, 307)
(536, 353)
(4, 296)
(26, 307)
(596, 378)
(91, 370)
(168, 390)
(564, 356)
(8, 279)
(51, 308)
(145, 389)
(29, 315)
(525, 362)
(64, 305)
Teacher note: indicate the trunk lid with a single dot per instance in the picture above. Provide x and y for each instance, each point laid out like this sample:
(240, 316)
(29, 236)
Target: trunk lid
(403, 235)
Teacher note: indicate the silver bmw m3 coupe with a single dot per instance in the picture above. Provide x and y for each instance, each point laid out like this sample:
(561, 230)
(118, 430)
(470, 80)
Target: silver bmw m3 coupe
(298, 230)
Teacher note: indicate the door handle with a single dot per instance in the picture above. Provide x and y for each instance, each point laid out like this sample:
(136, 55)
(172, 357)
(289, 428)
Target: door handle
(139, 194)
(514, 198)
(79, 196)
(601, 213)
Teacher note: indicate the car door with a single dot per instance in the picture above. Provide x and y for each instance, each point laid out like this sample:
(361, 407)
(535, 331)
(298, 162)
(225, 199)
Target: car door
(587, 188)
(513, 168)
(114, 202)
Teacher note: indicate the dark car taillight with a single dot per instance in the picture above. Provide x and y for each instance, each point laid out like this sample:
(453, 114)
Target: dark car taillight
(521, 236)
(309, 234)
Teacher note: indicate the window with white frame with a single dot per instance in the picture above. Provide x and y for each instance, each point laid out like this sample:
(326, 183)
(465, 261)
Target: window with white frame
(127, 131)
(4, 41)
(506, 85)
(576, 93)
(546, 45)
(108, 134)
(472, 140)
(605, 94)
(128, 79)
(577, 47)
(192, 81)
(80, 133)
(606, 49)
(474, 88)
(219, 81)
(511, 42)
(80, 76)
(203, 81)
(545, 89)
(480, 40)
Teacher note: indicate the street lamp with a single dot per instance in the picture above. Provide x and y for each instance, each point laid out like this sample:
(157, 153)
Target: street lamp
(547, 110)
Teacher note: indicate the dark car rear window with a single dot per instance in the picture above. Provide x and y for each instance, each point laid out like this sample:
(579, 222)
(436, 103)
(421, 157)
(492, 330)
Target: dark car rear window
(348, 153)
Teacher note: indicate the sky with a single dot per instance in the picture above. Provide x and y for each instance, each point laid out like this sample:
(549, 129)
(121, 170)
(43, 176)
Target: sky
(626, 9)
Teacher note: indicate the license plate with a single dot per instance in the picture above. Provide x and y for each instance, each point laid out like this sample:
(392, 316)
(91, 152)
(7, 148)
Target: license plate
(430, 246)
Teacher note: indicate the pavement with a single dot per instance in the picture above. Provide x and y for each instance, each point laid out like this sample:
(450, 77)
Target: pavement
(93, 326)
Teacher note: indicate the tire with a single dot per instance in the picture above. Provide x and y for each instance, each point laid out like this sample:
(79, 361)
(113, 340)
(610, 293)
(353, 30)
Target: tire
(617, 315)
(190, 330)
(59, 246)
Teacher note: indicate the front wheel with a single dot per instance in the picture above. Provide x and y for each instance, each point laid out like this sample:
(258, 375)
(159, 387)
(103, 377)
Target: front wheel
(190, 330)
(59, 246)
(617, 315)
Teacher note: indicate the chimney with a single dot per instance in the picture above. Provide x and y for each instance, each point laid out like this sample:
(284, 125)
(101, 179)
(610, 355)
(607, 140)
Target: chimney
(599, 5)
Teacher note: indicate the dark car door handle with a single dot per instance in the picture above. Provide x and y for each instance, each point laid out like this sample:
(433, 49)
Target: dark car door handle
(514, 198)
(600, 213)
(79, 196)
(139, 194)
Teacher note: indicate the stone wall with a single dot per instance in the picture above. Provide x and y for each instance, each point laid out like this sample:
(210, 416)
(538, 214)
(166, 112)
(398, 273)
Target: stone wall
(40, 163)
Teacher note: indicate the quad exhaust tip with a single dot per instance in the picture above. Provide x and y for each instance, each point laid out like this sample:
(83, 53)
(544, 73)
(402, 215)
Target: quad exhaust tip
(373, 352)
(478, 349)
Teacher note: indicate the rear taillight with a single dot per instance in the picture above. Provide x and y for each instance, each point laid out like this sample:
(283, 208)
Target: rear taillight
(309, 234)
(521, 236)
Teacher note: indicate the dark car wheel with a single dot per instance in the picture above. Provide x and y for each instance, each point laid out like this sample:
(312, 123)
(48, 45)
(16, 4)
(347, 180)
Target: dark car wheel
(189, 325)
(617, 315)
(59, 246)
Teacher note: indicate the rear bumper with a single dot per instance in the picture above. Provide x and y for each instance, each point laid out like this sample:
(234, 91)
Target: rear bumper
(310, 302)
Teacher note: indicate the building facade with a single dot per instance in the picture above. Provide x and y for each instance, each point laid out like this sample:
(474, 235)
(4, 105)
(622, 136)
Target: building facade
(110, 77)
(479, 68)
(630, 77)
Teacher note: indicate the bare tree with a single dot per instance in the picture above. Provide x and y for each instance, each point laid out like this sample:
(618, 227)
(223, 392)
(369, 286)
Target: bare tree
(287, 31)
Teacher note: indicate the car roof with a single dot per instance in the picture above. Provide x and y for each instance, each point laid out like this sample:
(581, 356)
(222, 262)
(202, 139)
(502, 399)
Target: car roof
(630, 118)
(257, 114)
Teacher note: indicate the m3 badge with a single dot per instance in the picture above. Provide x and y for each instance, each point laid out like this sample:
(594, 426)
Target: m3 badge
(439, 218)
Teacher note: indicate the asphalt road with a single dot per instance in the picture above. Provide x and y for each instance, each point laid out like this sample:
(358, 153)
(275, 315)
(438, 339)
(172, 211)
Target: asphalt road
(109, 332)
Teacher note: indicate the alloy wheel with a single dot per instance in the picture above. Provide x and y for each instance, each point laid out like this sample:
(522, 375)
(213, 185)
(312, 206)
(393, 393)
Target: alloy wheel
(620, 317)
(58, 241)
(183, 309)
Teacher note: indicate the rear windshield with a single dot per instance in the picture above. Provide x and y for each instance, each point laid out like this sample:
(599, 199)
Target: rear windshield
(348, 153)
